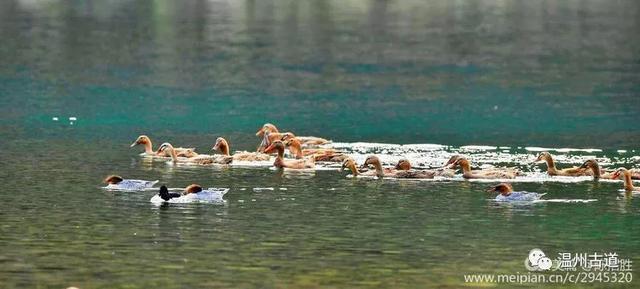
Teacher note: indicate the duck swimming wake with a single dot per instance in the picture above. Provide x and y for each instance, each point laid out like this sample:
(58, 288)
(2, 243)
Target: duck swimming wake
(118, 183)
(192, 193)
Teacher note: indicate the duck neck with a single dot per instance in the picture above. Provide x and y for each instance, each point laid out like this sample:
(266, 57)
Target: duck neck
(551, 165)
(280, 154)
(466, 167)
(174, 156)
(279, 161)
(296, 149)
(379, 171)
(354, 170)
(596, 170)
(148, 147)
(628, 185)
(224, 148)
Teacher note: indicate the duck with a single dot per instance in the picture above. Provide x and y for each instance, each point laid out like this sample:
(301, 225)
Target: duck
(496, 173)
(351, 165)
(394, 172)
(508, 195)
(148, 148)
(191, 193)
(223, 146)
(197, 160)
(320, 155)
(626, 174)
(305, 140)
(596, 171)
(405, 165)
(599, 173)
(115, 182)
(553, 171)
(280, 162)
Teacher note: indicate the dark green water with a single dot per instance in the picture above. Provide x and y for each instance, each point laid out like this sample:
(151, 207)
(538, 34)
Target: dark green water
(509, 73)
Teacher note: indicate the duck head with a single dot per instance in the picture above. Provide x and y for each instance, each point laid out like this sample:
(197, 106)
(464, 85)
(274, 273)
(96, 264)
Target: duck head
(287, 136)
(113, 180)
(141, 140)
(452, 160)
(276, 146)
(165, 147)
(371, 160)
(619, 172)
(222, 145)
(192, 189)
(349, 163)
(543, 156)
(463, 163)
(267, 127)
(504, 189)
(403, 165)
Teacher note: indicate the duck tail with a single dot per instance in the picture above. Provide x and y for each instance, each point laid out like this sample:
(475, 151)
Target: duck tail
(153, 183)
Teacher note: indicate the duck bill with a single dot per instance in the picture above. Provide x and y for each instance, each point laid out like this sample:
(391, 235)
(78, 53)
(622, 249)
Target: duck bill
(135, 143)
(260, 132)
(490, 190)
(215, 147)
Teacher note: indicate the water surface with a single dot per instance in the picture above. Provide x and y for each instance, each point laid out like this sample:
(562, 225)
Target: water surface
(511, 74)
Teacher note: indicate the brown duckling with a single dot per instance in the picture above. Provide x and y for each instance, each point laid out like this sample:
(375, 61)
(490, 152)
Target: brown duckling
(467, 173)
(148, 148)
(197, 160)
(223, 146)
(596, 171)
(393, 172)
(280, 162)
(626, 174)
(553, 171)
(405, 165)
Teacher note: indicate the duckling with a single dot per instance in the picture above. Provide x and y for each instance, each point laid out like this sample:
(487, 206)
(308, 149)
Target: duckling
(392, 172)
(508, 195)
(628, 185)
(553, 171)
(320, 155)
(305, 140)
(280, 162)
(197, 160)
(115, 182)
(191, 193)
(405, 165)
(467, 173)
(148, 148)
(223, 146)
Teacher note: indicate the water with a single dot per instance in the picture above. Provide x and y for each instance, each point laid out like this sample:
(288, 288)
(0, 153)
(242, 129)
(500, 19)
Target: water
(513, 74)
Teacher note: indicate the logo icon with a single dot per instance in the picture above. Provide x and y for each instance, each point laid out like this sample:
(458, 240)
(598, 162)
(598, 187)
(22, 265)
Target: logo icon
(537, 261)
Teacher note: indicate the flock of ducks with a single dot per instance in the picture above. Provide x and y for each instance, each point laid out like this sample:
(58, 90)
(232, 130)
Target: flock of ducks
(302, 153)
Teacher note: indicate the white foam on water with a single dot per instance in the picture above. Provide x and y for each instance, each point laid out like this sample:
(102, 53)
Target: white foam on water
(210, 195)
(566, 201)
(263, 189)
